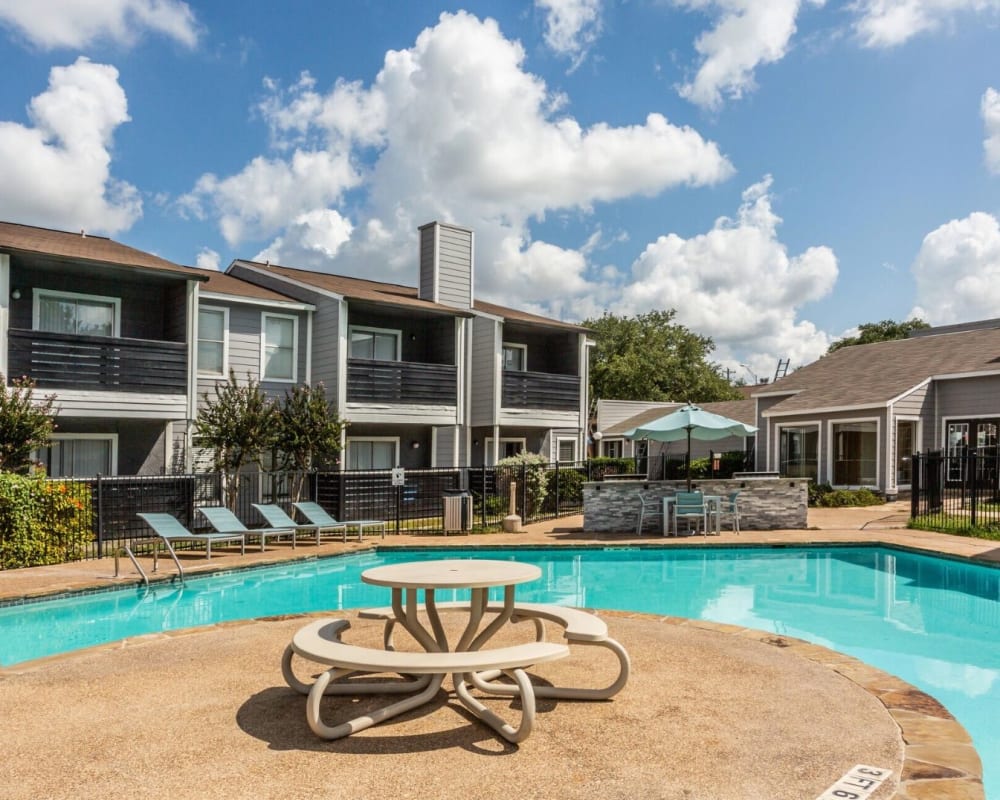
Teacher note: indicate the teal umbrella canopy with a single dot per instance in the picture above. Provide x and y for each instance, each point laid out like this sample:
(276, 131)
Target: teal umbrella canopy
(687, 423)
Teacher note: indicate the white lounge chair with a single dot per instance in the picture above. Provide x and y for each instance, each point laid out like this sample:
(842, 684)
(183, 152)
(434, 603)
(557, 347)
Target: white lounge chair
(276, 517)
(170, 530)
(225, 521)
(317, 515)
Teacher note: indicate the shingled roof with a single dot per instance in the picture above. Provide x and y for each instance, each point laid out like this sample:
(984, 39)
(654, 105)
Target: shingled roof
(740, 410)
(870, 375)
(397, 295)
(221, 283)
(81, 246)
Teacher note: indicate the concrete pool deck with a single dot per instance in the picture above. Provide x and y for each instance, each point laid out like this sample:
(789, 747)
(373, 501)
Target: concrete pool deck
(712, 711)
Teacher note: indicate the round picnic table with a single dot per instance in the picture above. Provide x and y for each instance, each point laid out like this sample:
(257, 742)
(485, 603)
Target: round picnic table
(407, 580)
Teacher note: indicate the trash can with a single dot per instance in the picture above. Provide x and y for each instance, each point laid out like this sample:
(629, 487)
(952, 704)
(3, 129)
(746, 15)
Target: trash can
(457, 510)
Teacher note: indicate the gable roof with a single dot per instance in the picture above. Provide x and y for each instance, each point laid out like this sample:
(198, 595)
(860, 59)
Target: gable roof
(871, 375)
(80, 246)
(739, 410)
(396, 294)
(221, 283)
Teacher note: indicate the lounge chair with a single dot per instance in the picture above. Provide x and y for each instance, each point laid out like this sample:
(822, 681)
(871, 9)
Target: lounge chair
(168, 528)
(276, 517)
(225, 521)
(317, 515)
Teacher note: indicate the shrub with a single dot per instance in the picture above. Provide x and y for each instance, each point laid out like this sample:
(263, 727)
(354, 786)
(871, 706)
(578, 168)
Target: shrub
(828, 497)
(605, 465)
(42, 521)
(729, 463)
(570, 488)
(536, 486)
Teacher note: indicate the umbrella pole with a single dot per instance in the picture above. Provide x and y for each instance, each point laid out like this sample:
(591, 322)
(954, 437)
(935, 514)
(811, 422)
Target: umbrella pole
(687, 461)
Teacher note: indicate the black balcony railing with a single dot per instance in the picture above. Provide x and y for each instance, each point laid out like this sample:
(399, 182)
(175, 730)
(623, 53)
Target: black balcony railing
(540, 390)
(60, 361)
(404, 382)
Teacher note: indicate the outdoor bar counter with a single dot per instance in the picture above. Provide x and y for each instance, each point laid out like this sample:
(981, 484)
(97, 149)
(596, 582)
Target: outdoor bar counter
(766, 502)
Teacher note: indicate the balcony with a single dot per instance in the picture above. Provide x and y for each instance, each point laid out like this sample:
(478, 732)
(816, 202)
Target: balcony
(540, 390)
(402, 382)
(97, 363)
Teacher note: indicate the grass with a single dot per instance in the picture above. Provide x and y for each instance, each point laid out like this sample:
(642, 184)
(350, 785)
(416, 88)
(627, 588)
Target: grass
(956, 524)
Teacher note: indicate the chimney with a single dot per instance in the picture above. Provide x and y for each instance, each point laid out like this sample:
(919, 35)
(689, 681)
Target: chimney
(446, 258)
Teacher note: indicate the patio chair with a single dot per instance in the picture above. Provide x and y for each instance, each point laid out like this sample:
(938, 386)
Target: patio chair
(690, 507)
(275, 516)
(729, 508)
(168, 528)
(225, 521)
(648, 507)
(317, 515)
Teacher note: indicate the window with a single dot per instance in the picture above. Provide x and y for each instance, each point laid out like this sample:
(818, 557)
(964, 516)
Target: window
(213, 337)
(567, 451)
(80, 455)
(279, 349)
(906, 443)
(613, 448)
(80, 314)
(799, 452)
(515, 357)
(375, 344)
(508, 448)
(372, 453)
(855, 453)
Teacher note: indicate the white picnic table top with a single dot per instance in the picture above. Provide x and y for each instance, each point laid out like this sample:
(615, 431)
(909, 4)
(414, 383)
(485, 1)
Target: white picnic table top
(451, 573)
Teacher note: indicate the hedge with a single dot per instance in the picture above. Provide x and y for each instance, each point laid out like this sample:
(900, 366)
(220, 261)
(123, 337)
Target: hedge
(42, 521)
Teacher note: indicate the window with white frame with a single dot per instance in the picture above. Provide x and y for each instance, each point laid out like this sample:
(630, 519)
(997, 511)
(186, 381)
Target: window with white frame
(613, 448)
(855, 453)
(80, 455)
(375, 344)
(507, 448)
(72, 313)
(567, 451)
(515, 357)
(279, 348)
(213, 340)
(374, 453)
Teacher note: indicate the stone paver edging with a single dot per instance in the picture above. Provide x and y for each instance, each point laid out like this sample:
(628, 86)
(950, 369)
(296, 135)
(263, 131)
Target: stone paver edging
(939, 759)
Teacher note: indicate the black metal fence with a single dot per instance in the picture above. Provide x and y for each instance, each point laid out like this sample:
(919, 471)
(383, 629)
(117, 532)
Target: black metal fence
(417, 505)
(956, 492)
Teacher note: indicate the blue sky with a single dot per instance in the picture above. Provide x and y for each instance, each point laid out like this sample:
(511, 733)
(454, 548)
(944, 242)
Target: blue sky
(778, 172)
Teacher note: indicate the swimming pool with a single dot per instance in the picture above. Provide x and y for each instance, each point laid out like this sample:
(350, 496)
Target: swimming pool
(932, 621)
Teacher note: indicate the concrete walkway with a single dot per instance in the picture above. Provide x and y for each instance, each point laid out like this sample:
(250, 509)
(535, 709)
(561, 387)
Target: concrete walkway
(712, 712)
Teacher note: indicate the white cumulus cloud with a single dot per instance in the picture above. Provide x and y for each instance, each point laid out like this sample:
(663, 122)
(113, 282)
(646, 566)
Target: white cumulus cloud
(957, 271)
(310, 241)
(738, 284)
(56, 171)
(454, 129)
(747, 34)
(887, 23)
(571, 26)
(79, 23)
(990, 109)
(207, 258)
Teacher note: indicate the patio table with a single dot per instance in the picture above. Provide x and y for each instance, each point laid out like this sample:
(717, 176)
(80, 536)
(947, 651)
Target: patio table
(408, 579)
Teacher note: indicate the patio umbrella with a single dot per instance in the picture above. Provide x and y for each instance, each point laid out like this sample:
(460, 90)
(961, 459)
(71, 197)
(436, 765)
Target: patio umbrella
(689, 422)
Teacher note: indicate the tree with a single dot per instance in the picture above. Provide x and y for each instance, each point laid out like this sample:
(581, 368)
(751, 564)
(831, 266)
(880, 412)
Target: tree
(238, 426)
(883, 331)
(308, 432)
(25, 423)
(650, 357)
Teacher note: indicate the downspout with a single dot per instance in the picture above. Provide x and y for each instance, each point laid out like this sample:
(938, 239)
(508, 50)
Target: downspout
(192, 399)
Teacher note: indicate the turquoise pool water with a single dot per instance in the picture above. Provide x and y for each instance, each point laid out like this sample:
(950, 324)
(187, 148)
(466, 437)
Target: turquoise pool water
(934, 622)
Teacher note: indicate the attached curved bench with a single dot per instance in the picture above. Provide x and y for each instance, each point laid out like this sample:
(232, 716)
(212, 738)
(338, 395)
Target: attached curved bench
(579, 627)
(320, 642)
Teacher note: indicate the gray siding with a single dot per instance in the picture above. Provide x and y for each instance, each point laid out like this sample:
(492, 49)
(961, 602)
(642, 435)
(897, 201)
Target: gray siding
(969, 397)
(556, 353)
(483, 377)
(918, 403)
(445, 454)
(453, 262)
(245, 342)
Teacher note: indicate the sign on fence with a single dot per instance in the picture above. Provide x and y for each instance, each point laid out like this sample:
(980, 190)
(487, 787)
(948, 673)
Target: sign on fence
(398, 476)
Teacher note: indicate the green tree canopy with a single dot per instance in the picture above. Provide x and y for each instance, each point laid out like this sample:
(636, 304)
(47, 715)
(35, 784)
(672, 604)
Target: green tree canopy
(25, 423)
(883, 331)
(650, 357)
